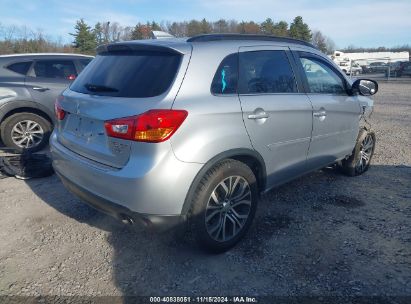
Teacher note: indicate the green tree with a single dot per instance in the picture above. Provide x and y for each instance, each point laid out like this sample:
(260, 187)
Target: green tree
(281, 29)
(155, 26)
(141, 31)
(205, 27)
(268, 27)
(221, 26)
(300, 30)
(194, 28)
(248, 28)
(84, 37)
(98, 33)
(136, 34)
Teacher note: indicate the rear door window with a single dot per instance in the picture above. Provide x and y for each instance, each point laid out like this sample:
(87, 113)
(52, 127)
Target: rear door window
(20, 67)
(226, 77)
(63, 69)
(129, 74)
(265, 72)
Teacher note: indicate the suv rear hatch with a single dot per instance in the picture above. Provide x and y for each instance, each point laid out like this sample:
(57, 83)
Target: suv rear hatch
(123, 80)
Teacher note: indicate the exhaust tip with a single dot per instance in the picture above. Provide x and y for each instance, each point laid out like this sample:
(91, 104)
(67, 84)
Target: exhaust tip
(127, 220)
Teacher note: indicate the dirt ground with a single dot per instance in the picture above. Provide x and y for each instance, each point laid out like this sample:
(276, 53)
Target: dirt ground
(323, 234)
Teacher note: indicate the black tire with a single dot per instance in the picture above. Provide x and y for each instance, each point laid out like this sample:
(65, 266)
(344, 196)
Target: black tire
(197, 216)
(351, 165)
(11, 121)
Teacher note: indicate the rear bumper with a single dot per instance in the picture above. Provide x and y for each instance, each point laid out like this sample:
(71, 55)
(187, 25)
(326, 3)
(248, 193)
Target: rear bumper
(151, 222)
(149, 185)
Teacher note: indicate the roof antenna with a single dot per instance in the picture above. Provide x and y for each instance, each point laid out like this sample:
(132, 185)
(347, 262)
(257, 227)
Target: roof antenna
(160, 35)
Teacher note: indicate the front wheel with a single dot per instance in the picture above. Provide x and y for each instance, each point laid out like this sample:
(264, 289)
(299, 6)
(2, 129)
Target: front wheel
(224, 205)
(360, 159)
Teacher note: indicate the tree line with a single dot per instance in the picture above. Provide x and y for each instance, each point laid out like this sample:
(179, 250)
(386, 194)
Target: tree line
(87, 37)
(15, 39)
(355, 49)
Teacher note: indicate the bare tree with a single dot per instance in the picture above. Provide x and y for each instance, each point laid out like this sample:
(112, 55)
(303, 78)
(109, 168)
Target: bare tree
(22, 39)
(322, 42)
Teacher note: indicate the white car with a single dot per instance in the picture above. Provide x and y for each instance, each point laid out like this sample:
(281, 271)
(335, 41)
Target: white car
(354, 69)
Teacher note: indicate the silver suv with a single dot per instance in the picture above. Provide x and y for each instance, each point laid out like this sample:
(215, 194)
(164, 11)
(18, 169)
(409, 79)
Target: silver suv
(176, 131)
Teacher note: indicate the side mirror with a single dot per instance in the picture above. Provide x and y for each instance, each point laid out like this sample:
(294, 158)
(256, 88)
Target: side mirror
(365, 87)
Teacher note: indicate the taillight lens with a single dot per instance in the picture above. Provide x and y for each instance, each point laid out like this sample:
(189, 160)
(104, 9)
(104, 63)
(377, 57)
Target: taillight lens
(151, 126)
(60, 113)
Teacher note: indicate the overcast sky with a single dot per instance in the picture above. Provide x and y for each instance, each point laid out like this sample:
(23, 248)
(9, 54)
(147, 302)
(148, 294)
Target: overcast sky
(367, 23)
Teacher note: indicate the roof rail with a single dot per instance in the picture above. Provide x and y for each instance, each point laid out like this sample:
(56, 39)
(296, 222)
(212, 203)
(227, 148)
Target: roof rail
(222, 37)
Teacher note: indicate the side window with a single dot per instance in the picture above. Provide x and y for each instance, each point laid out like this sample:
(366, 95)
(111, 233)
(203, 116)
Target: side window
(83, 63)
(321, 78)
(266, 72)
(20, 67)
(225, 79)
(63, 69)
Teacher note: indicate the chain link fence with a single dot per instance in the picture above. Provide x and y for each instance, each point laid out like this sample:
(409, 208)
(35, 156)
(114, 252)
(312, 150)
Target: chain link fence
(383, 68)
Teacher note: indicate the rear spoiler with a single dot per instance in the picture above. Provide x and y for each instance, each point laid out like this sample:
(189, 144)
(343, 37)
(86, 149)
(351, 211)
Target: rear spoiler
(121, 46)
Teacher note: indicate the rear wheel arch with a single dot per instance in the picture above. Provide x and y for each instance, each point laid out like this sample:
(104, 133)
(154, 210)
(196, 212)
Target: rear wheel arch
(249, 157)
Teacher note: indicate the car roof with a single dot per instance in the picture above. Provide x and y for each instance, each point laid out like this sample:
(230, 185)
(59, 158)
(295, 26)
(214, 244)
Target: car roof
(41, 55)
(183, 45)
(247, 37)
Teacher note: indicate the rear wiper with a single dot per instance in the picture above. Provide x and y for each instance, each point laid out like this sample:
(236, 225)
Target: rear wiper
(99, 88)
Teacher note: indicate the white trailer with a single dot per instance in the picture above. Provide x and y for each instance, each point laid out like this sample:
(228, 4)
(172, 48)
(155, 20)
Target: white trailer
(364, 58)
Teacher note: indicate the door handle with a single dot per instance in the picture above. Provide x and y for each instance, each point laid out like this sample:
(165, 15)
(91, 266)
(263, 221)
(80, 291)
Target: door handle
(40, 89)
(259, 115)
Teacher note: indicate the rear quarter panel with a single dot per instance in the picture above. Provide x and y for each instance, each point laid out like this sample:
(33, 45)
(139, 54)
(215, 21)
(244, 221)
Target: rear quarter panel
(214, 123)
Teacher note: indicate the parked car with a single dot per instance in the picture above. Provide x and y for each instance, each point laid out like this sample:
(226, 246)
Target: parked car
(404, 69)
(29, 85)
(190, 132)
(353, 68)
(393, 68)
(378, 67)
(365, 69)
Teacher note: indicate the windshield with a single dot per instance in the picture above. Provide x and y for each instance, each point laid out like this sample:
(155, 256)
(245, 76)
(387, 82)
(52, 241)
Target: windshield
(128, 74)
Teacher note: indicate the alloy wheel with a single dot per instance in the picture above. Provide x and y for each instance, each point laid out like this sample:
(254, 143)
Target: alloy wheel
(366, 150)
(228, 208)
(27, 134)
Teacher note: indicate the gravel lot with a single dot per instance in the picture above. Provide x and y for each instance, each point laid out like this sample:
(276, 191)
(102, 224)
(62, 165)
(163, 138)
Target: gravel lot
(323, 234)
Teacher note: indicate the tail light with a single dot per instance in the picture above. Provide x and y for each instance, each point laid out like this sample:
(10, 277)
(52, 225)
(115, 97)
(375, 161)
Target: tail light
(151, 126)
(71, 77)
(60, 113)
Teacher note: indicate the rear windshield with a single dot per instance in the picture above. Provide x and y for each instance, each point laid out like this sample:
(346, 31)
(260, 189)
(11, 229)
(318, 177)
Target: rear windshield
(128, 74)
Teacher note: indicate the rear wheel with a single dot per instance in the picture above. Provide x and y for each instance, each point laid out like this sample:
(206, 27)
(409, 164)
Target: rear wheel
(360, 159)
(25, 132)
(224, 205)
